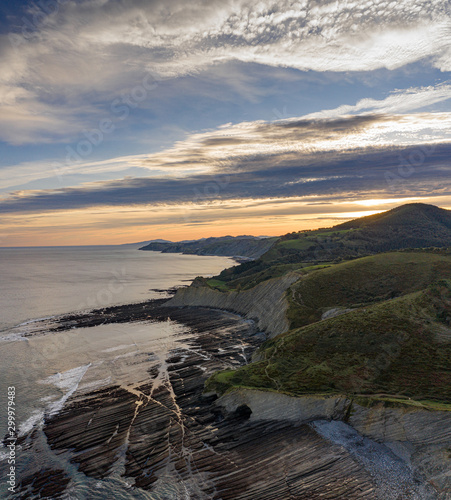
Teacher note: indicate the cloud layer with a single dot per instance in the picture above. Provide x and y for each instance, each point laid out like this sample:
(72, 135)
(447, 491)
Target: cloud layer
(90, 51)
(365, 85)
(341, 158)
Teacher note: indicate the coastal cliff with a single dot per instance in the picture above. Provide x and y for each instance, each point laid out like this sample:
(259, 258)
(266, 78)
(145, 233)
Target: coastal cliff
(372, 381)
(266, 303)
(417, 436)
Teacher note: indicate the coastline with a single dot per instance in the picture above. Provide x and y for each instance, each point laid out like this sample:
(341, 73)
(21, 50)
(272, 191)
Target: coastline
(43, 282)
(168, 429)
(218, 340)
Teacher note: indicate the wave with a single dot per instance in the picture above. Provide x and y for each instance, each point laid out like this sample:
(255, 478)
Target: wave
(67, 381)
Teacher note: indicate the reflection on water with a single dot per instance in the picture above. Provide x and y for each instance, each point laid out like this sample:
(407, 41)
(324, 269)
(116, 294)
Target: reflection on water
(47, 369)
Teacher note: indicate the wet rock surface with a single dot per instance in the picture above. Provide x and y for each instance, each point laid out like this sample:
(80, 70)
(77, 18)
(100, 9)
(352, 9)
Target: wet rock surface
(167, 428)
(47, 484)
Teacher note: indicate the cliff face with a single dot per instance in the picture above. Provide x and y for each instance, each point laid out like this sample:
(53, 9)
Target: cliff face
(269, 405)
(420, 438)
(266, 303)
(229, 246)
(411, 438)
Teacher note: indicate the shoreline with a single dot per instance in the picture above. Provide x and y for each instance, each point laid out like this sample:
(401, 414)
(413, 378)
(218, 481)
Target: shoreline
(192, 436)
(169, 292)
(116, 276)
(214, 345)
(168, 429)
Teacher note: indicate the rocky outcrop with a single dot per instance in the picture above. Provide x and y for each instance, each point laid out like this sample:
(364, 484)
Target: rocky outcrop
(270, 405)
(265, 303)
(163, 438)
(419, 437)
(380, 422)
(411, 424)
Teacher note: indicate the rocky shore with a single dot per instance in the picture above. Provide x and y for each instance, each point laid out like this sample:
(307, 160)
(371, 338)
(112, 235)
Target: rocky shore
(172, 441)
(415, 439)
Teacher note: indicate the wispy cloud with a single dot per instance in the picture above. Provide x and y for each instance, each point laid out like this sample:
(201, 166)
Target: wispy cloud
(90, 51)
(345, 174)
(399, 101)
(297, 143)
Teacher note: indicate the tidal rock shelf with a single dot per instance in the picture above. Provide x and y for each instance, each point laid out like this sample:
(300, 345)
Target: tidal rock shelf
(166, 439)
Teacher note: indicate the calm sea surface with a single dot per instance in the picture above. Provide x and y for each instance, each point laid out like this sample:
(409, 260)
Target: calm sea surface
(42, 282)
(47, 369)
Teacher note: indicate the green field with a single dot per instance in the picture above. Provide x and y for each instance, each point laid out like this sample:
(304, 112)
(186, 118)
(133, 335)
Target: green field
(217, 285)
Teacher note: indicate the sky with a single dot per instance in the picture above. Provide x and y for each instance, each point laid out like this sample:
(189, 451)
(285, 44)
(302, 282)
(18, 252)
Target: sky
(132, 120)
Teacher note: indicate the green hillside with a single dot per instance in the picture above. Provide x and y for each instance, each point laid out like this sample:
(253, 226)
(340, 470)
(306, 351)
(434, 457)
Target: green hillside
(397, 349)
(409, 226)
(364, 281)
(428, 219)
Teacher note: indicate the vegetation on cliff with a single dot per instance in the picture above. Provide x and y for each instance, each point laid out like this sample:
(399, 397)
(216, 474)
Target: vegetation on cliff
(369, 314)
(364, 281)
(399, 348)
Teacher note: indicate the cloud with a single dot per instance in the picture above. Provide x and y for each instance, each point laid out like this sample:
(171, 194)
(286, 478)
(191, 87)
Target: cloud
(243, 147)
(91, 51)
(250, 160)
(400, 101)
(348, 174)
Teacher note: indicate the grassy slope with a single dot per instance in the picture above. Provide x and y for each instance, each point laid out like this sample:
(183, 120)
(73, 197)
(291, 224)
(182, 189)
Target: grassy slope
(286, 255)
(364, 281)
(385, 350)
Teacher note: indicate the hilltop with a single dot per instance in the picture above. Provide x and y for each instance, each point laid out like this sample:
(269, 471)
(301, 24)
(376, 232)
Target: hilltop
(413, 225)
(418, 215)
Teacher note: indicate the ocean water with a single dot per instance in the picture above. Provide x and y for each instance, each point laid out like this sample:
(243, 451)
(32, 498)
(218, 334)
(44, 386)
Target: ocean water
(47, 369)
(43, 282)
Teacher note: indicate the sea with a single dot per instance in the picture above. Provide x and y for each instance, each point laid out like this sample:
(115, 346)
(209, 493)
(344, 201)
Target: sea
(39, 284)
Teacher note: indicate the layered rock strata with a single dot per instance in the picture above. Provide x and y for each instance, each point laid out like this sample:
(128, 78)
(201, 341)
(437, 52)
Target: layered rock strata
(168, 438)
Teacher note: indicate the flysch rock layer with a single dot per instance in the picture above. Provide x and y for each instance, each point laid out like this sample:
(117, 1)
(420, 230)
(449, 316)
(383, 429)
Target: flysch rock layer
(266, 303)
(167, 438)
(420, 438)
